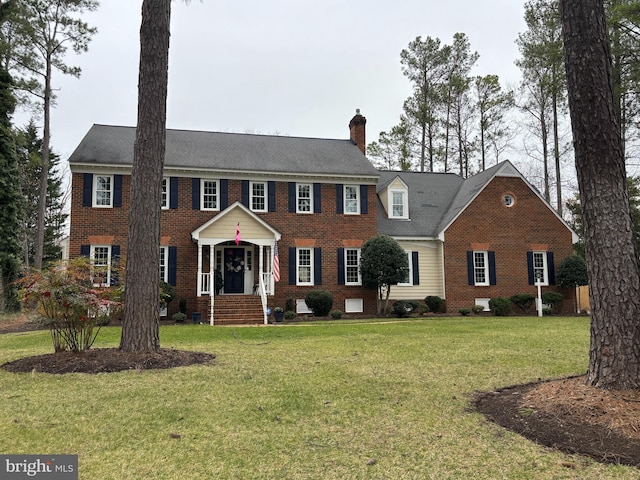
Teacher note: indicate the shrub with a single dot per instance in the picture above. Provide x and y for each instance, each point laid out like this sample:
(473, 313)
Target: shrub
(69, 304)
(403, 308)
(336, 314)
(167, 294)
(554, 299)
(290, 314)
(434, 303)
(289, 306)
(523, 301)
(500, 306)
(546, 311)
(179, 317)
(464, 311)
(476, 309)
(320, 302)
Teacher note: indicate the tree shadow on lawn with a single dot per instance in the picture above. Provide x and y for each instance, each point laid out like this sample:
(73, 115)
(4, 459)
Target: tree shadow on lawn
(570, 416)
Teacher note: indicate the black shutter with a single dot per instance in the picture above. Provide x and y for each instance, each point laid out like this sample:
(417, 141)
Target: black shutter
(224, 193)
(414, 266)
(195, 193)
(173, 192)
(470, 270)
(339, 198)
(117, 191)
(364, 199)
(173, 258)
(292, 197)
(245, 193)
(87, 189)
(317, 198)
(317, 266)
(271, 196)
(293, 261)
(85, 250)
(341, 279)
(530, 273)
(551, 269)
(492, 268)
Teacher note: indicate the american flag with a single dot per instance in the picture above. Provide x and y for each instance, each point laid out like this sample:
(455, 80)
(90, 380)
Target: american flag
(276, 263)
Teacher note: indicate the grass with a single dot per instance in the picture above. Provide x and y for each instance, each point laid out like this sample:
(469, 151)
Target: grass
(334, 400)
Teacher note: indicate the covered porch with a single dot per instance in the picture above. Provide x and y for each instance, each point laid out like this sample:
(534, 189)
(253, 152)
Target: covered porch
(235, 251)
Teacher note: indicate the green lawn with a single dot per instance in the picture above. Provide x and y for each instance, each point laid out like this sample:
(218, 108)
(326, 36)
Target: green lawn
(378, 400)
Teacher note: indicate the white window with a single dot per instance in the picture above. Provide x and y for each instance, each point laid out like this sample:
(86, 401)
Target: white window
(209, 195)
(103, 191)
(352, 266)
(165, 193)
(540, 273)
(484, 302)
(258, 194)
(407, 281)
(351, 199)
(398, 201)
(305, 266)
(100, 265)
(164, 264)
(302, 307)
(304, 198)
(480, 268)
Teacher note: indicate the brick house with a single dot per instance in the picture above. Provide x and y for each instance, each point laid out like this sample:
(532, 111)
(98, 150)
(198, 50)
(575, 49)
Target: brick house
(469, 240)
(230, 201)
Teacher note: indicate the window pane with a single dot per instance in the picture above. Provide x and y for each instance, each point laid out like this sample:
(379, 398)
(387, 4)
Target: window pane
(165, 194)
(258, 200)
(103, 191)
(210, 195)
(304, 265)
(352, 266)
(479, 263)
(351, 199)
(304, 198)
(398, 204)
(538, 266)
(163, 264)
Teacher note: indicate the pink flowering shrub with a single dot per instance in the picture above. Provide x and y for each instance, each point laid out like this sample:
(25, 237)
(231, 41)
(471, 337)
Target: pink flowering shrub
(69, 304)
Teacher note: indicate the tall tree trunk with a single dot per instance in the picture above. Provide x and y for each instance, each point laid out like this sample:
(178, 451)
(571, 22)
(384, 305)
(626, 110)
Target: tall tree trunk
(44, 174)
(556, 153)
(140, 325)
(544, 133)
(614, 272)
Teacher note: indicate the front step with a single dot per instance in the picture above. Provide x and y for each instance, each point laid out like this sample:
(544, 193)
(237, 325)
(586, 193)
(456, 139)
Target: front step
(233, 310)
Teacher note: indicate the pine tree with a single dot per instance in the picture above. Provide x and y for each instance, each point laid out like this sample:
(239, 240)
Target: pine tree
(11, 204)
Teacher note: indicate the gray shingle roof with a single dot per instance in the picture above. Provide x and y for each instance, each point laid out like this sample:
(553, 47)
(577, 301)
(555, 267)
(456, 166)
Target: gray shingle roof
(430, 196)
(113, 146)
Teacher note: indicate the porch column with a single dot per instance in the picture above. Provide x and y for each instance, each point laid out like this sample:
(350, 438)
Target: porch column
(211, 285)
(199, 269)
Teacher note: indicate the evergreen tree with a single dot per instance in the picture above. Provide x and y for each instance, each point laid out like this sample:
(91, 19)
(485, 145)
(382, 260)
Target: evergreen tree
(42, 31)
(11, 204)
(29, 151)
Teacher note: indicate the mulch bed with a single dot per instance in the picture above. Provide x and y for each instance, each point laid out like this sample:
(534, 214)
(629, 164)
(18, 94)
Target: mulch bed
(569, 416)
(105, 360)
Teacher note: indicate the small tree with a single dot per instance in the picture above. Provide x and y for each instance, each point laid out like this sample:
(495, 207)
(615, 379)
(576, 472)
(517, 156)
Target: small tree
(572, 272)
(383, 263)
(72, 308)
(320, 302)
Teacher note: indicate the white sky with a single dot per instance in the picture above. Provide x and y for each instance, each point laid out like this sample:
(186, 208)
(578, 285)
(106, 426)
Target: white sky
(288, 67)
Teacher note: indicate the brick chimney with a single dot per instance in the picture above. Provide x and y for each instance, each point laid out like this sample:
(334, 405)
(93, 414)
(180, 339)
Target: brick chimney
(357, 131)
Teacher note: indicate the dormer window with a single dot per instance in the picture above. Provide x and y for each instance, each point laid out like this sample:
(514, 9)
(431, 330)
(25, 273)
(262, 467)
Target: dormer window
(398, 204)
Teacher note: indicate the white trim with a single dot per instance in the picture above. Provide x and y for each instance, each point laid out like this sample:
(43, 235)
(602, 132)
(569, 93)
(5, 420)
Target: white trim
(353, 305)
(311, 261)
(298, 198)
(265, 197)
(344, 199)
(92, 256)
(410, 272)
(405, 203)
(217, 194)
(346, 276)
(485, 255)
(94, 191)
